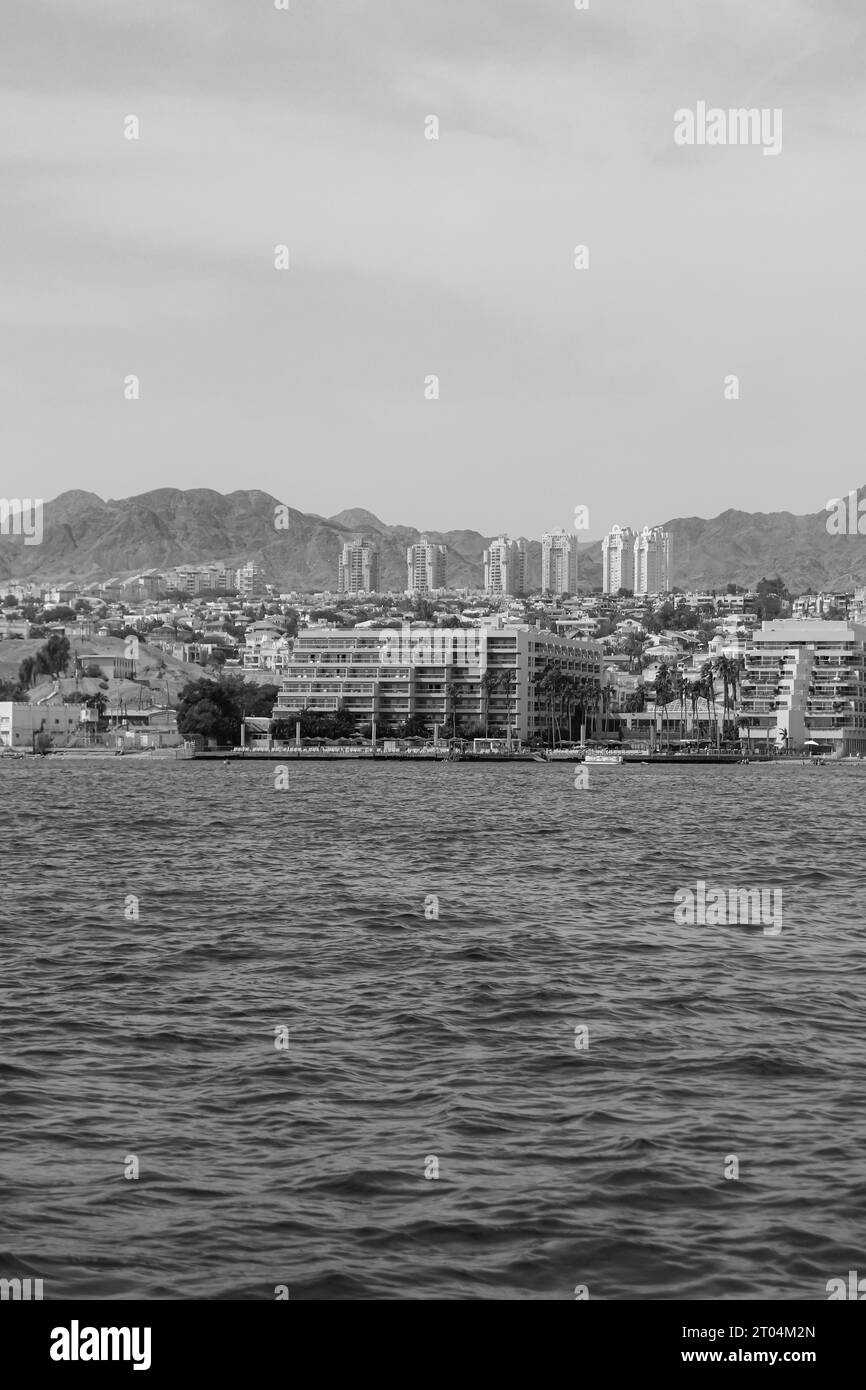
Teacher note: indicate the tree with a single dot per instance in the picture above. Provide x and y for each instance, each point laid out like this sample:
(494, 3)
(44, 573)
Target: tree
(258, 700)
(708, 683)
(571, 695)
(728, 670)
(558, 681)
(682, 688)
(632, 648)
(209, 709)
(452, 690)
(53, 659)
(663, 692)
(424, 610)
(27, 672)
(508, 680)
(414, 726)
(694, 691)
(489, 682)
(99, 702)
(544, 689)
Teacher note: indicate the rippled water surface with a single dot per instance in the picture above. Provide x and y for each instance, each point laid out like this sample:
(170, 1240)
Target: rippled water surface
(412, 1038)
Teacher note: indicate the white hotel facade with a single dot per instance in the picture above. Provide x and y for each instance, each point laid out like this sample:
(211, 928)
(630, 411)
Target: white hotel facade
(390, 674)
(806, 680)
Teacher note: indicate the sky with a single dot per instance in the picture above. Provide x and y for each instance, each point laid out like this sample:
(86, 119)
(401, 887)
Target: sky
(559, 387)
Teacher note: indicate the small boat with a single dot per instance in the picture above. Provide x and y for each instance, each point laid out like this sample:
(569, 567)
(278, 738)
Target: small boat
(602, 758)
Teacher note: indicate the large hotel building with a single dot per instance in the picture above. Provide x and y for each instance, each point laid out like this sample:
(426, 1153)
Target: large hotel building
(390, 674)
(805, 680)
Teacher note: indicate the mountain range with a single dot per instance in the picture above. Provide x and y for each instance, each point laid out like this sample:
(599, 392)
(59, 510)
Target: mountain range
(88, 539)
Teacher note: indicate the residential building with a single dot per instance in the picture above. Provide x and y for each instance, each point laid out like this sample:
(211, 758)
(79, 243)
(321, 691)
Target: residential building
(652, 561)
(249, 580)
(505, 568)
(267, 648)
(617, 557)
(805, 681)
(558, 563)
(426, 567)
(358, 569)
(197, 579)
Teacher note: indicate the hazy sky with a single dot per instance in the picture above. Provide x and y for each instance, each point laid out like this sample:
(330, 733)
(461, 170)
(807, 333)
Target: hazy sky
(409, 257)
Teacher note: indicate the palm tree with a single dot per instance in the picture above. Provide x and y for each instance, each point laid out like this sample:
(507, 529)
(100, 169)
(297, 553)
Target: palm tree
(738, 665)
(573, 695)
(570, 690)
(709, 682)
(724, 667)
(489, 682)
(694, 691)
(507, 680)
(593, 701)
(682, 690)
(606, 694)
(663, 693)
(544, 688)
(558, 683)
(581, 700)
(452, 690)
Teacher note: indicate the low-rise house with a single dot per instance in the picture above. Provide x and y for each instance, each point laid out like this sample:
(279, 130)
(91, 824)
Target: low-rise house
(113, 666)
(20, 724)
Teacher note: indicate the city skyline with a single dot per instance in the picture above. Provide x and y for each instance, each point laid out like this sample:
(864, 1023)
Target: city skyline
(409, 256)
